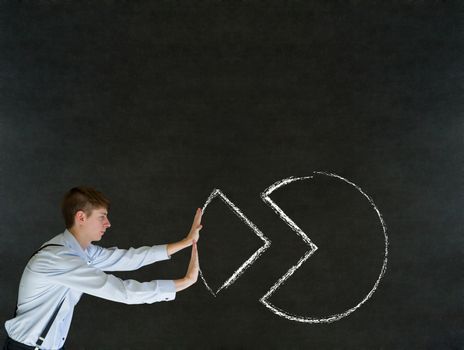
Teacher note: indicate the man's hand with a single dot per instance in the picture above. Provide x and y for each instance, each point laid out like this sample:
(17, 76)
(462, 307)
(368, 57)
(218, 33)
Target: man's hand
(194, 234)
(192, 272)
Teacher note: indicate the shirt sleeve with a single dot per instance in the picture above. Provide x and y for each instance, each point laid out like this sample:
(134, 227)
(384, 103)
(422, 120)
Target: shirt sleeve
(73, 272)
(114, 259)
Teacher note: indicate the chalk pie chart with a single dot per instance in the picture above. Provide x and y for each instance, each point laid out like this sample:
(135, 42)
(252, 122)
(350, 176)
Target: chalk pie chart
(332, 244)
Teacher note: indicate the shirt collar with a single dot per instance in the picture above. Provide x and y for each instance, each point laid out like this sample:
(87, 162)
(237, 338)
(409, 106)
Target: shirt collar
(71, 242)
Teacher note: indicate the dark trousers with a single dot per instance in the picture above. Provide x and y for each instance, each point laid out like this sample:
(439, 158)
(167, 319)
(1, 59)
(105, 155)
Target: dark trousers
(11, 344)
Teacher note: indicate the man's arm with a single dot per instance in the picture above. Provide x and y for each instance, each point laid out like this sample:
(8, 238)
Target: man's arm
(193, 236)
(114, 259)
(73, 272)
(192, 272)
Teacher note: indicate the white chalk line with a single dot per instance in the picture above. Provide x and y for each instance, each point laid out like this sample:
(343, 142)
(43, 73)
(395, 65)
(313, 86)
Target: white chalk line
(252, 258)
(280, 312)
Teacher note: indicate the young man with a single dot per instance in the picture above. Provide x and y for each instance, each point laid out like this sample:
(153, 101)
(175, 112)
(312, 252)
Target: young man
(69, 265)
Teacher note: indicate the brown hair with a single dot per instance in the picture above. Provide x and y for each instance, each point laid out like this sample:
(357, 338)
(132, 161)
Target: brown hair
(82, 198)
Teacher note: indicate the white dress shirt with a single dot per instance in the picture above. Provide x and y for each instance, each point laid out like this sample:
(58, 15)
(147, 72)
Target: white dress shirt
(56, 273)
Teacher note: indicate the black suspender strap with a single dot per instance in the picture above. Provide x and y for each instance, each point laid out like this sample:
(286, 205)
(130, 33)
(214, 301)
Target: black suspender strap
(41, 339)
(52, 319)
(38, 250)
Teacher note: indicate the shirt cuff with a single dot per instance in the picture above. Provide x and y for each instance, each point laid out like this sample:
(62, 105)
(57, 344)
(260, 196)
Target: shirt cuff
(167, 289)
(161, 252)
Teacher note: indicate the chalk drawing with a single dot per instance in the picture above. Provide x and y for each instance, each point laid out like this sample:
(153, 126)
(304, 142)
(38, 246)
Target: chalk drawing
(252, 258)
(312, 248)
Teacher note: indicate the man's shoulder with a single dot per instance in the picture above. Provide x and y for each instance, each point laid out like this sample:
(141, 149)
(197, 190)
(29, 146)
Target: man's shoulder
(57, 246)
(57, 240)
(53, 258)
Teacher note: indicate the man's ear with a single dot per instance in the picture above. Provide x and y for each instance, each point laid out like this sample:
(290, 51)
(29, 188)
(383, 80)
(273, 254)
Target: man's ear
(80, 217)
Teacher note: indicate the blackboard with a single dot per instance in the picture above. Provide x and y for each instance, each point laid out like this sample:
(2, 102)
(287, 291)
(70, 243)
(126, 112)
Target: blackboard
(159, 103)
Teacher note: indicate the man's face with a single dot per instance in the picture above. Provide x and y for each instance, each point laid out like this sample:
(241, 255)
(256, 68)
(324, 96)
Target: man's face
(96, 224)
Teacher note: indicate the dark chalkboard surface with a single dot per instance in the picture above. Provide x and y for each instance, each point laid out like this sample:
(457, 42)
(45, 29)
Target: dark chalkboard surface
(158, 103)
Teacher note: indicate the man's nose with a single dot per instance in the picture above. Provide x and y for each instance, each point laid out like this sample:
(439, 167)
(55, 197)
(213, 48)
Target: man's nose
(107, 223)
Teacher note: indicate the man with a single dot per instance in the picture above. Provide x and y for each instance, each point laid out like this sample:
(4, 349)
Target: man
(69, 265)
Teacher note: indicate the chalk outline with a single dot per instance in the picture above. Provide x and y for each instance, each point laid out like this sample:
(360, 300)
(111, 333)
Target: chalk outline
(252, 258)
(264, 299)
